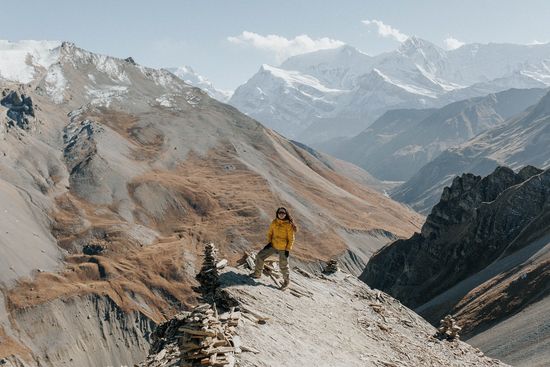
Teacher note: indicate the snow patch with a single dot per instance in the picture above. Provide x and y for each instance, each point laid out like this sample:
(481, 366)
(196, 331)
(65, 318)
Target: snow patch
(192, 98)
(56, 84)
(104, 95)
(414, 89)
(108, 65)
(293, 78)
(19, 61)
(166, 100)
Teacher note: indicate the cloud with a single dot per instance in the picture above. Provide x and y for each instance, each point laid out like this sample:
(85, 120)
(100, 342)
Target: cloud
(452, 43)
(536, 42)
(386, 30)
(283, 47)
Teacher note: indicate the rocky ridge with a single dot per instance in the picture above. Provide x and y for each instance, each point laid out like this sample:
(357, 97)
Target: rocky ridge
(481, 255)
(299, 326)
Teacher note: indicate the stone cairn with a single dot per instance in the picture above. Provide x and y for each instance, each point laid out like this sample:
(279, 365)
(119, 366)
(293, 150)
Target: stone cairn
(201, 337)
(448, 328)
(209, 276)
(331, 267)
(209, 279)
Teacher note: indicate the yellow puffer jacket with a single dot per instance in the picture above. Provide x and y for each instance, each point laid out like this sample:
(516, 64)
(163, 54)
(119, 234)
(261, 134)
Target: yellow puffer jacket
(281, 234)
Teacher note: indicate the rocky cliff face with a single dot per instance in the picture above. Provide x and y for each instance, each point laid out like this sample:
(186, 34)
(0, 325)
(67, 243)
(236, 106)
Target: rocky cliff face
(473, 224)
(481, 254)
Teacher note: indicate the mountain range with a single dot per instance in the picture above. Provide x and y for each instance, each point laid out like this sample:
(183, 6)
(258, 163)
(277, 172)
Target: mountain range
(401, 142)
(339, 92)
(113, 176)
(519, 141)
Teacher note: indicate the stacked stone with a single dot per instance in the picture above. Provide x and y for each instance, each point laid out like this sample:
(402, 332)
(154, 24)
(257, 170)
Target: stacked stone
(208, 276)
(197, 338)
(331, 267)
(207, 339)
(448, 328)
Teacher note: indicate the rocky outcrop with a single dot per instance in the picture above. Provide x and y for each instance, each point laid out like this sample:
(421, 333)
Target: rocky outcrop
(483, 255)
(475, 223)
(20, 108)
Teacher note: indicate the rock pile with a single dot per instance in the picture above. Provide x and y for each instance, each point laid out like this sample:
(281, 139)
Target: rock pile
(209, 277)
(448, 328)
(201, 337)
(331, 267)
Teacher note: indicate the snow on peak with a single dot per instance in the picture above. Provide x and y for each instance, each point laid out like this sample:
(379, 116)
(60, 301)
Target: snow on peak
(414, 45)
(20, 61)
(342, 56)
(191, 77)
(295, 78)
(188, 75)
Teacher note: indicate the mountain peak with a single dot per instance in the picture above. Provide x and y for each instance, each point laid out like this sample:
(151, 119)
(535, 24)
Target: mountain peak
(349, 50)
(414, 43)
(190, 76)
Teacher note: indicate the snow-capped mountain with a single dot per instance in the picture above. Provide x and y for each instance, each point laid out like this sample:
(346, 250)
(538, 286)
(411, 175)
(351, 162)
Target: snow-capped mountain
(283, 99)
(336, 68)
(190, 76)
(352, 89)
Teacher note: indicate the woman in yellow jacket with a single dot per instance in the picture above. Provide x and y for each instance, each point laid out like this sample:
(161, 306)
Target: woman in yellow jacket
(280, 238)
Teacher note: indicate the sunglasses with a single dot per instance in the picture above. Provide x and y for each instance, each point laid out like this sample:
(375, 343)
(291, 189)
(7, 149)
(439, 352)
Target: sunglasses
(281, 213)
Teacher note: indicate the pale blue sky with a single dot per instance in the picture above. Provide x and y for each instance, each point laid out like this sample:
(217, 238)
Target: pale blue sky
(165, 33)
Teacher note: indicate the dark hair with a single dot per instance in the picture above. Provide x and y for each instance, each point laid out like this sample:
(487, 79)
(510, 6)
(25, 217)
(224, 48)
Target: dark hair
(288, 217)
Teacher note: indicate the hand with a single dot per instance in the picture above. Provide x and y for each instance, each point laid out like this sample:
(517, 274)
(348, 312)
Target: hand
(287, 253)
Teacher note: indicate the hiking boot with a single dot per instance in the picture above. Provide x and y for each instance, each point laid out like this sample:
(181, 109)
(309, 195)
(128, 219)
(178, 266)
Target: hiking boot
(255, 275)
(285, 284)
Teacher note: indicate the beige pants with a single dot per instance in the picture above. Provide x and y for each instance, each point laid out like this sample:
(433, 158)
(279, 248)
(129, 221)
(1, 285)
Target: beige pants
(266, 252)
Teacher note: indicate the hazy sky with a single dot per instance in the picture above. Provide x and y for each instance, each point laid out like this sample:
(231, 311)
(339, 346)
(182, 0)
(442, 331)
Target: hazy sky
(227, 41)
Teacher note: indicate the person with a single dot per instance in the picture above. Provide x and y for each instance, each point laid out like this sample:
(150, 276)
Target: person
(280, 238)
